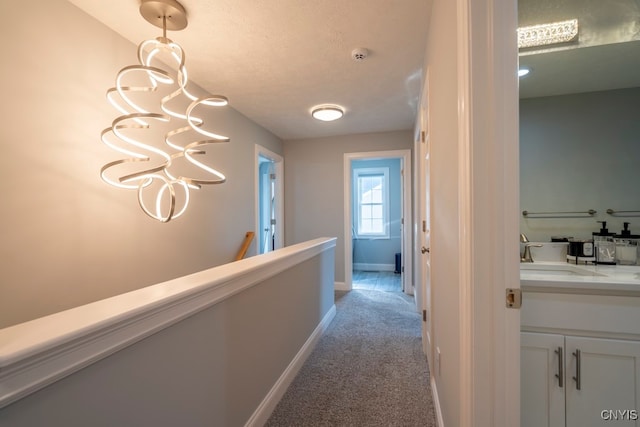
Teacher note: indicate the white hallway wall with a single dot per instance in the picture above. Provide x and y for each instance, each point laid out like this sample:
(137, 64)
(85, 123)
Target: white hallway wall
(67, 237)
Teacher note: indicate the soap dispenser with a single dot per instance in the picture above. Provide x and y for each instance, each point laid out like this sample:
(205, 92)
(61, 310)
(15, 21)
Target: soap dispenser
(627, 246)
(604, 245)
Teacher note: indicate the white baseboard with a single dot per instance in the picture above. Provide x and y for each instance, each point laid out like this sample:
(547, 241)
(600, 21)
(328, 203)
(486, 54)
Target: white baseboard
(436, 402)
(341, 286)
(373, 267)
(268, 404)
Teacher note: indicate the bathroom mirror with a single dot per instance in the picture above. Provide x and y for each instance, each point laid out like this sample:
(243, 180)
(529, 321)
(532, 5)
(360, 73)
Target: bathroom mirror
(579, 118)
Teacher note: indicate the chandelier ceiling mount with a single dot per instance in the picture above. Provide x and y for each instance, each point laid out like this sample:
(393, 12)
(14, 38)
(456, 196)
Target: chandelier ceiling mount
(165, 14)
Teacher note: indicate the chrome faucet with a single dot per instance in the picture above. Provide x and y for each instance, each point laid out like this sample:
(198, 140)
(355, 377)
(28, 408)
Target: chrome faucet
(526, 256)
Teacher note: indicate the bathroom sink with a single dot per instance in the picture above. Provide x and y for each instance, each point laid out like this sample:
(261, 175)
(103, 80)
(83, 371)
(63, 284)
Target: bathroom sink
(556, 270)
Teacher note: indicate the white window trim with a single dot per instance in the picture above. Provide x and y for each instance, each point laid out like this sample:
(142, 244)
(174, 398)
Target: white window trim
(357, 172)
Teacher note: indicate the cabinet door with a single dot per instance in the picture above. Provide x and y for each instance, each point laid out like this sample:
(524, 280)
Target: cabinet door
(609, 380)
(541, 391)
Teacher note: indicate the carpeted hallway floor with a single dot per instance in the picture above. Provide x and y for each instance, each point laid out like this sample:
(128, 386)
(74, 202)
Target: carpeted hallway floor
(368, 368)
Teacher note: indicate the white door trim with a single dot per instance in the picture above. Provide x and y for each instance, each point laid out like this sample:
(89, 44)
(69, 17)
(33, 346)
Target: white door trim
(405, 156)
(489, 200)
(279, 194)
(465, 221)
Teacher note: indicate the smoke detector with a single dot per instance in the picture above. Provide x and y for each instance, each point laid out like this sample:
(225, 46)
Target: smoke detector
(359, 54)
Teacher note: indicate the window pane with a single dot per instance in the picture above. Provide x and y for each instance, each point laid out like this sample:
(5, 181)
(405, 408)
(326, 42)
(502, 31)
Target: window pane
(370, 189)
(376, 211)
(376, 194)
(365, 190)
(365, 211)
(365, 226)
(369, 183)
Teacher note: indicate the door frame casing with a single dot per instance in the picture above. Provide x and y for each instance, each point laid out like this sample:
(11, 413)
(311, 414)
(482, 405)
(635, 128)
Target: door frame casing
(488, 194)
(278, 161)
(407, 178)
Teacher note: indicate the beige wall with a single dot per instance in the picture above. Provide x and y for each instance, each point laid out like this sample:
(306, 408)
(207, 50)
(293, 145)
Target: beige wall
(314, 184)
(238, 350)
(67, 238)
(443, 135)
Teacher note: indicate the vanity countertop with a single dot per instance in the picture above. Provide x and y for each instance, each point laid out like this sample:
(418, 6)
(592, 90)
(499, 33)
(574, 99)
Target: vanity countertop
(570, 278)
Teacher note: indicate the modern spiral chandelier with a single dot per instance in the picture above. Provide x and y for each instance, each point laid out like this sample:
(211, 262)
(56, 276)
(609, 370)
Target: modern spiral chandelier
(159, 130)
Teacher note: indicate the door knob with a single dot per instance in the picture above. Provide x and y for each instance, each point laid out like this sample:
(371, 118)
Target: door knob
(425, 250)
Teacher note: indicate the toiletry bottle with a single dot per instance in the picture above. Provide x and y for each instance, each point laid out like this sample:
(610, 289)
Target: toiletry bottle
(604, 246)
(626, 246)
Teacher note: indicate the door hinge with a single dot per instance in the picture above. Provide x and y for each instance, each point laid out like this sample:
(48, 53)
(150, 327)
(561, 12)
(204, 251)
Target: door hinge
(272, 176)
(402, 269)
(424, 226)
(514, 298)
(423, 136)
(402, 221)
(424, 315)
(273, 222)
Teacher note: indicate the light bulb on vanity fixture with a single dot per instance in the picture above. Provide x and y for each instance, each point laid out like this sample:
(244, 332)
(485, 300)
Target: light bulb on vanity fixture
(327, 113)
(159, 130)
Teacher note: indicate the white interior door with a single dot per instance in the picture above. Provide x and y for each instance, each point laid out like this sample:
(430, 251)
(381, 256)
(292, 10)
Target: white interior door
(425, 249)
(269, 200)
(423, 296)
(267, 206)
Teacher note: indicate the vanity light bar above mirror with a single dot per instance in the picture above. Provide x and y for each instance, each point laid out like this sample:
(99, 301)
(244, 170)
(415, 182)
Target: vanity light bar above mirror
(546, 34)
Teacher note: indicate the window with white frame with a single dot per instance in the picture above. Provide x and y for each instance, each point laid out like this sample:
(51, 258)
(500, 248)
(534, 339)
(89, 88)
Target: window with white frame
(372, 202)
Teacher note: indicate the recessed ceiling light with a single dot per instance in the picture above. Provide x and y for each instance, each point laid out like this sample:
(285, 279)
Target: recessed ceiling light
(523, 72)
(327, 113)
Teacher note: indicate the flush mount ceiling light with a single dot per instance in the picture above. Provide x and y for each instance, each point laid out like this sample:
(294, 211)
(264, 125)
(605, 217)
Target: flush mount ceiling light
(523, 71)
(546, 34)
(327, 113)
(158, 129)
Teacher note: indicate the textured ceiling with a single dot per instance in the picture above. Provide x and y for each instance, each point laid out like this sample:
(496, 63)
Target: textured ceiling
(275, 59)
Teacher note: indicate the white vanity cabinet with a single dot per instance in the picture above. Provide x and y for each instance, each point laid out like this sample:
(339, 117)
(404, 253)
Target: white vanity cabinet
(569, 380)
(580, 346)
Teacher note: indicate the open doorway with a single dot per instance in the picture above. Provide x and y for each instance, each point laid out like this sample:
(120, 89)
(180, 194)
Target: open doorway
(376, 235)
(269, 200)
(377, 207)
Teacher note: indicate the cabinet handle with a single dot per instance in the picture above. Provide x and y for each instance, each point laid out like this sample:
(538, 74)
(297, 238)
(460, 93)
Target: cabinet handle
(560, 374)
(577, 377)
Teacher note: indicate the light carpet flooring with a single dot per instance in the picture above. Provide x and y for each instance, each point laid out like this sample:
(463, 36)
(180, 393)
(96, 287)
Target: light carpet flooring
(368, 368)
(386, 281)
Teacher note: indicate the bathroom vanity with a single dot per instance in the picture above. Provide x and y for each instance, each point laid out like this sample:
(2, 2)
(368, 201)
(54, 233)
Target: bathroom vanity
(580, 345)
